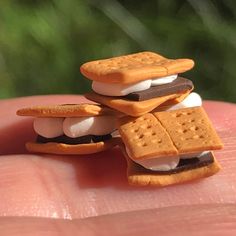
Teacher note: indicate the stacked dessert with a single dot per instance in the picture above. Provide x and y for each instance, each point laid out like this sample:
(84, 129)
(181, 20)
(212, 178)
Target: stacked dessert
(165, 134)
(71, 129)
(138, 83)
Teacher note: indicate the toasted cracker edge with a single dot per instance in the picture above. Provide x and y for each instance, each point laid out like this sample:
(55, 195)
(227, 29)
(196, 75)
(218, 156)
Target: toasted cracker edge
(115, 70)
(67, 110)
(138, 179)
(67, 149)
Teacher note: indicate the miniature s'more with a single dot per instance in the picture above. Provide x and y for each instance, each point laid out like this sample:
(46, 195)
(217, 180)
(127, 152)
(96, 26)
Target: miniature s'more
(165, 134)
(137, 83)
(169, 147)
(71, 129)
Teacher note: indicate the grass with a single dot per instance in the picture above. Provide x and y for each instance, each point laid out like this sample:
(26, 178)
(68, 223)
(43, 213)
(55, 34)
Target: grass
(43, 43)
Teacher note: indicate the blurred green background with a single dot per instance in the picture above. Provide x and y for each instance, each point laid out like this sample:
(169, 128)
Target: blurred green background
(44, 42)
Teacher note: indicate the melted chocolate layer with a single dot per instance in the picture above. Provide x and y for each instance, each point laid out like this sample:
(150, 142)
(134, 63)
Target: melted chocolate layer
(177, 86)
(73, 141)
(97, 138)
(185, 164)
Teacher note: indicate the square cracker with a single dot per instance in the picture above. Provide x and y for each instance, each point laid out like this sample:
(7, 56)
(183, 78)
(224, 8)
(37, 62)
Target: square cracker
(134, 67)
(168, 133)
(66, 110)
(139, 176)
(145, 137)
(190, 129)
(132, 108)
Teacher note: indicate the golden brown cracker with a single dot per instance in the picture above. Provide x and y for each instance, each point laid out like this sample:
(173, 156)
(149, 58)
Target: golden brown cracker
(132, 108)
(67, 149)
(175, 100)
(66, 110)
(164, 106)
(142, 177)
(134, 67)
(190, 129)
(145, 137)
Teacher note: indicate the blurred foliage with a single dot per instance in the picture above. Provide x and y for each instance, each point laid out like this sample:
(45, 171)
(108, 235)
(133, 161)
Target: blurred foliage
(43, 43)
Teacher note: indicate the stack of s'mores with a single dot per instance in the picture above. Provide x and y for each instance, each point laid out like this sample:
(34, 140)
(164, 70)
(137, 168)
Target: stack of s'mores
(144, 106)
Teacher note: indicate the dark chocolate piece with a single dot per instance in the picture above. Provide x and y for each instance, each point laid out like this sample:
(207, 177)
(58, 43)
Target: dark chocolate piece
(73, 141)
(65, 139)
(177, 86)
(184, 164)
(98, 138)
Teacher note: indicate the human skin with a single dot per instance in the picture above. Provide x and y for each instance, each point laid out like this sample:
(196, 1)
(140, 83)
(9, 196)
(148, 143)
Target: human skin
(89, 195)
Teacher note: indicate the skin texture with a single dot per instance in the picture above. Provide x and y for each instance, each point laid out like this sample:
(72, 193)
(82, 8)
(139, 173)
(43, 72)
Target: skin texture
(62, 195)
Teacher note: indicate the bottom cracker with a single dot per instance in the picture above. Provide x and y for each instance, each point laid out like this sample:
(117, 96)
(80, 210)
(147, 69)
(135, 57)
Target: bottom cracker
(134, 108)
(138, 177)
(175, 100)
(67, 149)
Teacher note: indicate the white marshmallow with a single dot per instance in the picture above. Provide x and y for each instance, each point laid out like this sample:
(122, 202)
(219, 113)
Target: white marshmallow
(192, 100)
(203, 153)
(108, 89)
(80, 126)
(48, 127)
(164, 80)
(160, 163)
(115, 133)
(193, 155)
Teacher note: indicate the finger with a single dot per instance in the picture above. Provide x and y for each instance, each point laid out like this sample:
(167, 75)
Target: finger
(191, 220)
(16, 130)
(78, 187)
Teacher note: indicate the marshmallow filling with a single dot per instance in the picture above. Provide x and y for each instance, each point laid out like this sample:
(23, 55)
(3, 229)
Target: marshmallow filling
(192, 163)
(74, 130)
(205, 159)
(179, 85)
(192, 100)
(110, 89)
(73, 141)
(144, 90)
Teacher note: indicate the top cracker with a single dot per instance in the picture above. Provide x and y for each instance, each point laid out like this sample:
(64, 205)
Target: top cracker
(168, 133)
(134, 67)
(66, 110)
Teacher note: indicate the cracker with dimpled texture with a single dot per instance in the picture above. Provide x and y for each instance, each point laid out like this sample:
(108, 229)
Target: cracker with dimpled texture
(139, 176)
(67, 149)
(134, 67)
(145, 137)
(190, 130)
(132, 108)
(66, 110)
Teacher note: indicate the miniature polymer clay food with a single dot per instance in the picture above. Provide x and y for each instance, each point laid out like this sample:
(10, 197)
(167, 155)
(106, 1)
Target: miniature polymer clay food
(137, 83)
(169, 147)
(71, 128)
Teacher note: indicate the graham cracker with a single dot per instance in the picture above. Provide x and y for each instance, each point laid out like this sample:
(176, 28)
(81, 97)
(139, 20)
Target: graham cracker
(175, 100)
(66, 110)
(190, 129)
(132, 108)
(168, 133)
(145, 137)
(134, 67)
(139, 176)
(67, 149)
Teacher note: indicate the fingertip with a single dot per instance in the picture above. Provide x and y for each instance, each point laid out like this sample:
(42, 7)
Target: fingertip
(181, 220)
